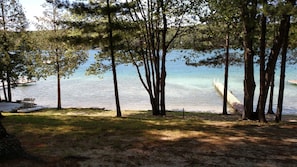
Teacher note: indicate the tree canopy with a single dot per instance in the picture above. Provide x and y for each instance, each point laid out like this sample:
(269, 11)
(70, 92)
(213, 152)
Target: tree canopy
(12, 25)
(59, 57)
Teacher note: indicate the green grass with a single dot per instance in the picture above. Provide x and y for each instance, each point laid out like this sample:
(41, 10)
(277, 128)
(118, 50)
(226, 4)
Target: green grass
(139, 138)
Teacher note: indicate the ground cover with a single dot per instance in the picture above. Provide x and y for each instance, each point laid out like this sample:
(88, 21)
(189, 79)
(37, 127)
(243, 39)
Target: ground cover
(91, 137)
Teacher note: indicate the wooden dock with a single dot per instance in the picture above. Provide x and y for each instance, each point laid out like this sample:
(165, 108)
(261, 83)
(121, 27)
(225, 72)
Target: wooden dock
(231, 99)
(294, 82)
(31, 109)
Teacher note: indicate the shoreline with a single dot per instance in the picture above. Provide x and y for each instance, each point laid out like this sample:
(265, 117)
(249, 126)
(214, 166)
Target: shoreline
(17, 108)
(101, 112)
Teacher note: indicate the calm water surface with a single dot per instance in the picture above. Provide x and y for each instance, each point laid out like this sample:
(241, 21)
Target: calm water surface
(189, 88)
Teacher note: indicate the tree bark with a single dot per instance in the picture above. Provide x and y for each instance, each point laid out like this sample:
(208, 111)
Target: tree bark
(113, 64)
(8, 86)
(59, 104)
(260, 106)
(283, 71)
(248, 15)
(226, 74)
(10, 146)
(270, 106)
(270, 68)
(163, 60)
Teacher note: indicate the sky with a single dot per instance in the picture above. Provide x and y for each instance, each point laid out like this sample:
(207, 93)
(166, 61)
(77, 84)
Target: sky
(32, 8)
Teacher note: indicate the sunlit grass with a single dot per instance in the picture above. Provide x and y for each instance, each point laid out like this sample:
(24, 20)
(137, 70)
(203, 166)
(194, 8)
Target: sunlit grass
(90, 127)
(138, 135)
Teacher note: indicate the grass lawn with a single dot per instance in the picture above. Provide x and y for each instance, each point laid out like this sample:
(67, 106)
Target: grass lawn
(90, 137)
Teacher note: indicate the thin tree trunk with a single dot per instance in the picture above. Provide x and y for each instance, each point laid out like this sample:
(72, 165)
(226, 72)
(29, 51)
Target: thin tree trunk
(157, 86)
(282, 72)
(59, 105)
(279, 110)
(114, 72)
(9, 87)
(155, 58)
(270, 105)
(116, 91)
(163, 78)
(261, 105)
(226, 74)
(5, 43)
(163, 65)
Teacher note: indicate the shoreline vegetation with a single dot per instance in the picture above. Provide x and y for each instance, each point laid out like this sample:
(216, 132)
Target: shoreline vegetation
(92, 137)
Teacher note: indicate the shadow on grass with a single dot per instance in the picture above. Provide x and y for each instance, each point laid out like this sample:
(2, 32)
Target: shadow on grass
(140, 139)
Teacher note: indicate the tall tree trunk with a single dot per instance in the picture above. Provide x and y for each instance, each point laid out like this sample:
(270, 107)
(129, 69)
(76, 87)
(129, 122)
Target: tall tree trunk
(283, 71)
(157, 81)
(260, 106)
(115, 82)
(270, 68)
(153, 60)
(4, 43)
(249, 14)
(113, 64)
(163, 64)
(59, 103)
(249, 86)
(163, 78)
(226, 73)
(8, 86)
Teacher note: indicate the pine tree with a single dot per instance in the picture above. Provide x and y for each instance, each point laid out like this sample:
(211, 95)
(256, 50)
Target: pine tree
(100, 20)
(12, 25)
(58, 56)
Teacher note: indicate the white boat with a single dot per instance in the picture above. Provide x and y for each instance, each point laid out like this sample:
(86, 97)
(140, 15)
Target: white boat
(19, 82)
(294, 82)
(24, 81)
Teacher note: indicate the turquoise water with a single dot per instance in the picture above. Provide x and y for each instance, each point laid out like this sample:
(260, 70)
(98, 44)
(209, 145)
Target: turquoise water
(189, 88)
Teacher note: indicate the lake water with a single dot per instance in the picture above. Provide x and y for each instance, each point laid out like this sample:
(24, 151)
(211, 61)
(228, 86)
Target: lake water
(187, 87)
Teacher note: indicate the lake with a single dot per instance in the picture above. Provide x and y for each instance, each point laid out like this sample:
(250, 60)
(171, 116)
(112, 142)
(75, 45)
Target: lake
(187, 87)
